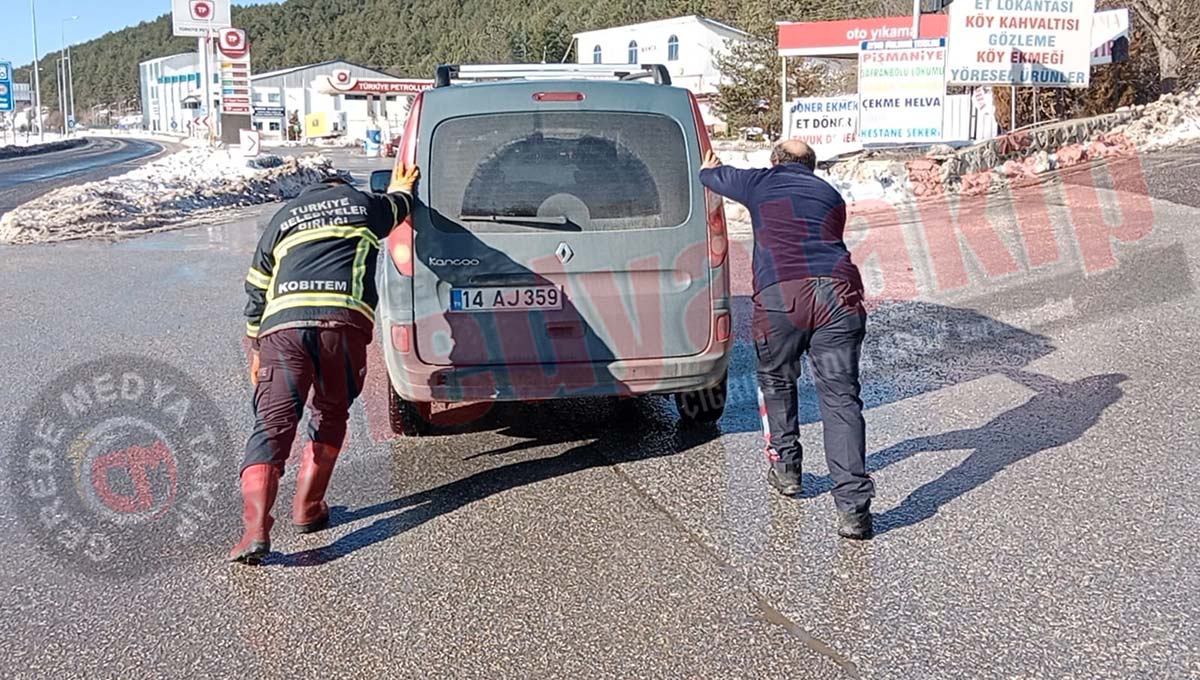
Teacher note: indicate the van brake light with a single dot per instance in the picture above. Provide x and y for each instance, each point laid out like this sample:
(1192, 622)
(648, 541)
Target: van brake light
(557, 96)
(718, 245)
(400, 247)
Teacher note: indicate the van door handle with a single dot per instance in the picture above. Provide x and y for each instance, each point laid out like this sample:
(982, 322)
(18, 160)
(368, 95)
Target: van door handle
(564, 330)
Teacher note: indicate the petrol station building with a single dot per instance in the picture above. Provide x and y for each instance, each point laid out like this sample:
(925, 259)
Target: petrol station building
(330, 99)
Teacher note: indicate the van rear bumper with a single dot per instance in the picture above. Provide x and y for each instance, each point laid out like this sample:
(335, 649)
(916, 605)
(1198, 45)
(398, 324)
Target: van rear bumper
(416, 381)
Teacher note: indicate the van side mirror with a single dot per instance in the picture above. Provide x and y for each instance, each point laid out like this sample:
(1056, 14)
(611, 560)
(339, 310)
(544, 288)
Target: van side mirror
(380, 179)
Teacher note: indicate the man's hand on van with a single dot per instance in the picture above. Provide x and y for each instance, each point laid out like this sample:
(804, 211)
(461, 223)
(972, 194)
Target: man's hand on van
(711, 160)
(404, 180)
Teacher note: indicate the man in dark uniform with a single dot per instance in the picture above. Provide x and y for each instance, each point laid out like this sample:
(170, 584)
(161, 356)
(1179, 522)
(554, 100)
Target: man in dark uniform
(807, 298)
(310, 318)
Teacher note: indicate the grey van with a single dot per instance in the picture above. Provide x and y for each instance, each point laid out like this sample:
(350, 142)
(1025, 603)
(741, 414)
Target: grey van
(560, 245)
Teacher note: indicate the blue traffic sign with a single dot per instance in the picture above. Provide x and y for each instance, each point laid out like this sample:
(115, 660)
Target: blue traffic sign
(6, 89)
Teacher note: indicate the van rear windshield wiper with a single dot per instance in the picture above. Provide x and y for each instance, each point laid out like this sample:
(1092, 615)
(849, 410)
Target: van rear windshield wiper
(554, 222)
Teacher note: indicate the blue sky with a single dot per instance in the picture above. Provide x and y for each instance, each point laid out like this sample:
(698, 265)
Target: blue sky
(96, 17)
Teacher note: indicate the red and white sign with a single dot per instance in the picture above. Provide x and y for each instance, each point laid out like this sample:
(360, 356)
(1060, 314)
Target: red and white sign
(201, 10)
(342, 81)
(232, 43)
(235, 71)
(817, 38)
(843, 37)
(199, 17)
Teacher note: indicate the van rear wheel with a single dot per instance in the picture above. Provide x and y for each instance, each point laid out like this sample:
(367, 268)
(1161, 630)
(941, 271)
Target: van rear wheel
(408, 418)
(703, 406)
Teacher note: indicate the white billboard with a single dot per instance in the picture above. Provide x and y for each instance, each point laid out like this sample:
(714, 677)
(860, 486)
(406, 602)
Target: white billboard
(901, 91)
(828, 124)
(1107, 28)
(199, 17)
(1040, 43)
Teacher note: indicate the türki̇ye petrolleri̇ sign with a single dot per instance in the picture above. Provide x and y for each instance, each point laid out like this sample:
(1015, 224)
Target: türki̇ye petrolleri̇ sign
(1041, 43)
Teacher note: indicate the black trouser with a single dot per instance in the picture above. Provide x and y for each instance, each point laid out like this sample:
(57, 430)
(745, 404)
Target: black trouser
(824, 317)
(331, 362)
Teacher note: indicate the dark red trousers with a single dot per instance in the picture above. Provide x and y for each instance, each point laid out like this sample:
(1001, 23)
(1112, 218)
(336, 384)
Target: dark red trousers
(331, 363)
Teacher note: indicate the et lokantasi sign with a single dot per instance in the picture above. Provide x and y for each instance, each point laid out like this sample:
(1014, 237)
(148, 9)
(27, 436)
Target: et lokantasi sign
(901, 91)
(234, 52)
(199, 18)
(828, 124)
(1040, 43)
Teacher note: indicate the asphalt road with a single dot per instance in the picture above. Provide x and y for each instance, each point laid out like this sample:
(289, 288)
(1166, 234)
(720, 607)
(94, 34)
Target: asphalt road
(1032, 430)
(25, 178)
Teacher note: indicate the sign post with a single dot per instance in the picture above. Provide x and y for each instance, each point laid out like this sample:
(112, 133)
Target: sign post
(6, 87)
(201, 18)
(901, 91)
(1043, 44)
(828, 124)
(233, 51)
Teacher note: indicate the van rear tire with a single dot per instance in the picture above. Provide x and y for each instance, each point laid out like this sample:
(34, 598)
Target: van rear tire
(408, 418)
(704, 406)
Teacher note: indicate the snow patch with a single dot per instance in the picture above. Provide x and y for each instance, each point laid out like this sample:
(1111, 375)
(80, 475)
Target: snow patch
(161, 194)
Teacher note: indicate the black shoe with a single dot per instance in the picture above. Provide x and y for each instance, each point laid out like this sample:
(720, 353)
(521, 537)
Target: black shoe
(785, 479)
(856, 526)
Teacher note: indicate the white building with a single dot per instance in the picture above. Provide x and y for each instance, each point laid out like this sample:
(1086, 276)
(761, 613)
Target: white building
(688, 46)
(333, 98)
(172, 88)
(330, 99)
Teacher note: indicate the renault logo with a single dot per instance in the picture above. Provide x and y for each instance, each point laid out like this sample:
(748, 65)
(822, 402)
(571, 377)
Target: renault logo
(564, 253)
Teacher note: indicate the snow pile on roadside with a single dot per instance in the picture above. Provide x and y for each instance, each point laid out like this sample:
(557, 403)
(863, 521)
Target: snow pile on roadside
(1173, 119)
(28, 139)
(159, 195)
(20, 150)
(857, 179)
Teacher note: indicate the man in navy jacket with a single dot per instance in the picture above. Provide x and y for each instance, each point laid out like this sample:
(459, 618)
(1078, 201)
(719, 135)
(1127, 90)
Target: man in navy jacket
(807, 298)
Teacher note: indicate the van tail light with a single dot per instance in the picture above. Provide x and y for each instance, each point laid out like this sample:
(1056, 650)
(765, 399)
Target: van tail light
(718, 243)
(400, 247)
(407, 155)
(400, 241)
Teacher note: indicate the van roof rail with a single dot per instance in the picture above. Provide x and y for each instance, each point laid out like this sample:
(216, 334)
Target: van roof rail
(447, 73)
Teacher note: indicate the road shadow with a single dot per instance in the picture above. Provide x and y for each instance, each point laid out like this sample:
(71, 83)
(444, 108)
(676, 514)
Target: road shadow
(1057, 414)
(643, 433)
(911, 348)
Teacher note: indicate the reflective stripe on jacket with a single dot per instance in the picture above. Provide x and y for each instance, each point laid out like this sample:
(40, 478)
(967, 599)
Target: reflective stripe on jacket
(315, 263)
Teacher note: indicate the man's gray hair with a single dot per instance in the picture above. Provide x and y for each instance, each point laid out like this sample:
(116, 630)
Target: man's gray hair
(782, 155)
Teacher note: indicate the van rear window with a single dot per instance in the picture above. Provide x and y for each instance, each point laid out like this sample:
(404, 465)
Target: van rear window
(600, 171)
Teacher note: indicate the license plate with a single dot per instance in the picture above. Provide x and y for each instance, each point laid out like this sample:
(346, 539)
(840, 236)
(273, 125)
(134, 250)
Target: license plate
(503, 299)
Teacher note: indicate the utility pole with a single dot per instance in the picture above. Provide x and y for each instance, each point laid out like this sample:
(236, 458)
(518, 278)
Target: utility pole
(59, 71)
(37, 84)
(66, 96)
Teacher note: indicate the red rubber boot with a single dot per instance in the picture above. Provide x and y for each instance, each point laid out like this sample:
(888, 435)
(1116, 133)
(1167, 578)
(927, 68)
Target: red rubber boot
(260, 484)
(309, 511)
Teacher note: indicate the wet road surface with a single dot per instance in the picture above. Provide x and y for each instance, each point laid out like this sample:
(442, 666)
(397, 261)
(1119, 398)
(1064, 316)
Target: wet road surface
(25, 178)
(1032, 428)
